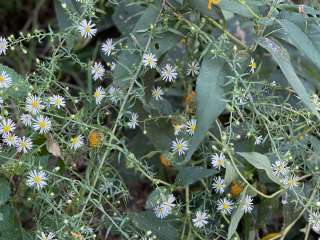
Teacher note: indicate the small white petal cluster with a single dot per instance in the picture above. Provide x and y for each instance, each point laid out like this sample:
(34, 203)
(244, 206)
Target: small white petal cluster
(165, 208)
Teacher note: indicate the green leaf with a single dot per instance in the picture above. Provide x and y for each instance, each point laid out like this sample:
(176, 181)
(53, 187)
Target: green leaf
(62, 17)
(129, 60)
(282, 58)
(19, 87)
(227, 5)
(301, 40)
(190, 175)
(4, 191)
(210, 102)
(156, 197)
(147, 221)
(261, 162)
(9, 228)
(230, 174)
(236, 216)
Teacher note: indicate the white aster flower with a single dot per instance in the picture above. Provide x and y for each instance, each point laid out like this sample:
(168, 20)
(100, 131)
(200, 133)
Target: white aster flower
(157, 93)
(170, 201)
(87, 29)
(5, 80)
(149, 60)
(10, 139)
(247, 204)
(193, 69)
(26, 119)
(1, 102)
(218, 161)
(191, 126)
(7, 126)
(218, 185)
(180, 146)
(200, 220)
(161, 211)
(280, 168)
(178, 128)
(225, 206)
(42, 124)
(24, 144)
(3, 46)
(97, 71)
(87, 230)
(34, 104)
(291, 182)
(37, 179)
(57, 101)
(314, 221)
(115, 94)
(168, 73)
(76, 142)
(133, 123)
(258, 140)
(99, 94)
(107, 47)
(43, 236)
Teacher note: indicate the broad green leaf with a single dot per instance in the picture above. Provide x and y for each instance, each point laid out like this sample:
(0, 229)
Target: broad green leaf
(9, 228)
(62, 17)
(4, 191)
(301, 40)
(282, 58)
(156, 197)
(210, 102)
(126, 15)
(147, 221)
(261, 162)
(19, 87)
(236, 216)
(190, 175)
(230, 174)
(160, 134)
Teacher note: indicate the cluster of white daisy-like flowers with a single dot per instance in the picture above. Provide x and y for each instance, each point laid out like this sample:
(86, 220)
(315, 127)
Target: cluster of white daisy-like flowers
(226, 205)
(281, 170)
(183, 131)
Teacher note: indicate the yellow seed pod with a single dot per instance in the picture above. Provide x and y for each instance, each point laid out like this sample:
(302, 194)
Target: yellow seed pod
(212, 2)
(77, 235)
(235, 189)
(95, 139)
(270, 236)
(165, 161)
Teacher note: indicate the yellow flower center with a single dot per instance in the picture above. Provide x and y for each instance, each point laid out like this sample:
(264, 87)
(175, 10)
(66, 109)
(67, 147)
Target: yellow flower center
(37, 179)
(2, 79)
(42, 124)
(87, 29)
(179, 146)
(6, 128)
(97, 94)
(74, 140)
(58, 101)
(35, 104)
(193, 128)
(225, 206)
(23, 144)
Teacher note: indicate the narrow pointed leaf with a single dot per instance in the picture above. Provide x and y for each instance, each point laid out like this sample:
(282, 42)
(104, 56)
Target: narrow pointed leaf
(301, 40)
(261, 162)
(282, 58)
(210, 102)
